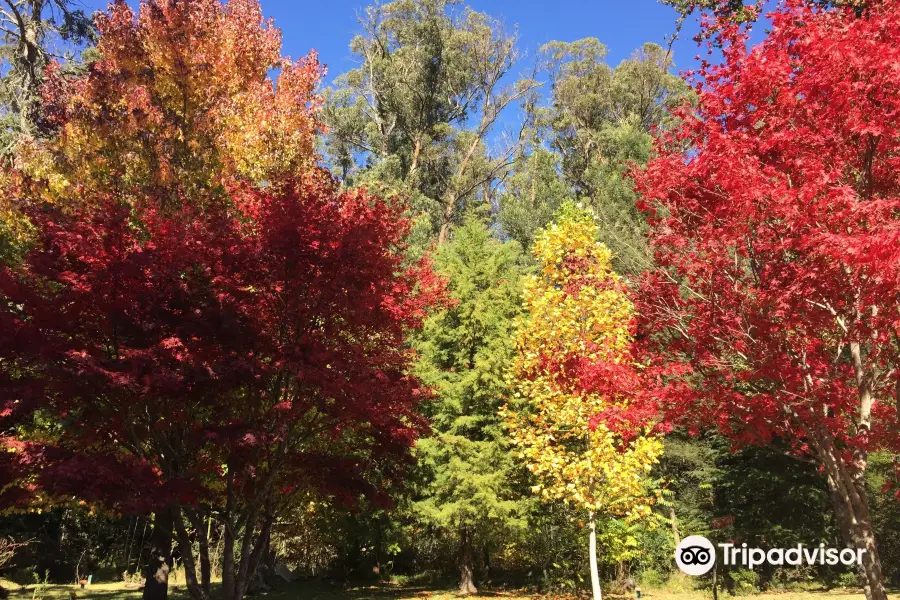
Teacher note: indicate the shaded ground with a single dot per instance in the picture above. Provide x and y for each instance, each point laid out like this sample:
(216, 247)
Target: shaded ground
(306, 591)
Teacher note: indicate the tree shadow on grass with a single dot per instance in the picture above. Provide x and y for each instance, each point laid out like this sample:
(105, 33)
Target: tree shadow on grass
(64, 592)
(299, 590)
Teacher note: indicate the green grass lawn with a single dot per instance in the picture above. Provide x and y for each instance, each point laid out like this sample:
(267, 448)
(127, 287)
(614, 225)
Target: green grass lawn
(307, 591)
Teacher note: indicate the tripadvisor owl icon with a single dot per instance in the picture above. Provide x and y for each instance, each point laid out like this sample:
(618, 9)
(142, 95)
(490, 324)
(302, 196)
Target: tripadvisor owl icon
(695, 555)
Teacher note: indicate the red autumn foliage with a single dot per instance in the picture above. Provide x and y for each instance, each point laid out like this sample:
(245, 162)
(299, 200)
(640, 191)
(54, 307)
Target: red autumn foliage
(204, 322)
(774, 211)
(164, 345)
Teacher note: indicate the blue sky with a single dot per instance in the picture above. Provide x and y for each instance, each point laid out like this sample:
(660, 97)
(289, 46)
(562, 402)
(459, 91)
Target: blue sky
(623, 25)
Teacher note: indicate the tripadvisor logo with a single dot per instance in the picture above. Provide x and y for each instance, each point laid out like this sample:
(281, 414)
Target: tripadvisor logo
(696, 555)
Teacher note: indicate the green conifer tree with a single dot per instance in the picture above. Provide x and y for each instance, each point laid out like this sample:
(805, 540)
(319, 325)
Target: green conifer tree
(469, 474)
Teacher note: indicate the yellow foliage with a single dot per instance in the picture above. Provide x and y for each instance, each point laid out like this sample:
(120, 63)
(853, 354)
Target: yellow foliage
(181, 106)
(576, 307)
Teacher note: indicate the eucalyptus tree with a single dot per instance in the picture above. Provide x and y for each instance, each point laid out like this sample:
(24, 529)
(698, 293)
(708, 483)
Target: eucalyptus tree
(596, 124)
(422, 110)
(32, 34)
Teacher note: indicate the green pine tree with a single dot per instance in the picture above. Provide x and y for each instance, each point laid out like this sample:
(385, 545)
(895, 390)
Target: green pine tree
(469, 474)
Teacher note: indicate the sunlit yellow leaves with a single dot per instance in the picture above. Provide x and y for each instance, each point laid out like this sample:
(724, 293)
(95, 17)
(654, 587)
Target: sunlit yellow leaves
(576, 307)
(180, 105)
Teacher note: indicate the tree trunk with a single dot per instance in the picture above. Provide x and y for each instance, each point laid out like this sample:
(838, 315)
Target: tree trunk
(595, 574)
(228, 587)
(250, 561)
(453, 194)
(244, 574)
(417, 149)
(196, 519)
(78, 567)
(845, 525)
(216, 559)
(205, 565)
(675, 533)
(186, 549)
(446, 222)
(466, 564)
(851, 509)
(854, 482)
(31, 62)
(621, 576)
(159, 562)
(715, 581)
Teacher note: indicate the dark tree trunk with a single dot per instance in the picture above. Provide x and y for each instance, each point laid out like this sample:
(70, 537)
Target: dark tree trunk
(228, 582)
(202, 529)
(379, 542)
(159, 562)
(250, 561)
(250, 556)
(715, 581)
(185, 548)
(242, 578)
(466, 564)
(269, 559)
(205, 566)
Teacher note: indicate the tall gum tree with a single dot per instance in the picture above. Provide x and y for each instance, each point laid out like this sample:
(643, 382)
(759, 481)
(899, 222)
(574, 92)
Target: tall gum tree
(775, 226)
(423, 109)
(582, 138)
(34, 33)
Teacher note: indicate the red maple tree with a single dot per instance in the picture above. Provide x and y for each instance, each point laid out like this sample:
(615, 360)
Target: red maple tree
(203, 322)
(218, 360)
(775, 211)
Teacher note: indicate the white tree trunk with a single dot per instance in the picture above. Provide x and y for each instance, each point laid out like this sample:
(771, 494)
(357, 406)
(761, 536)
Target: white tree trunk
(595, 574)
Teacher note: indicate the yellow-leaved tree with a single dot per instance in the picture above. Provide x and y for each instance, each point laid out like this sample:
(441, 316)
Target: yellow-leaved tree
(578, 313)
